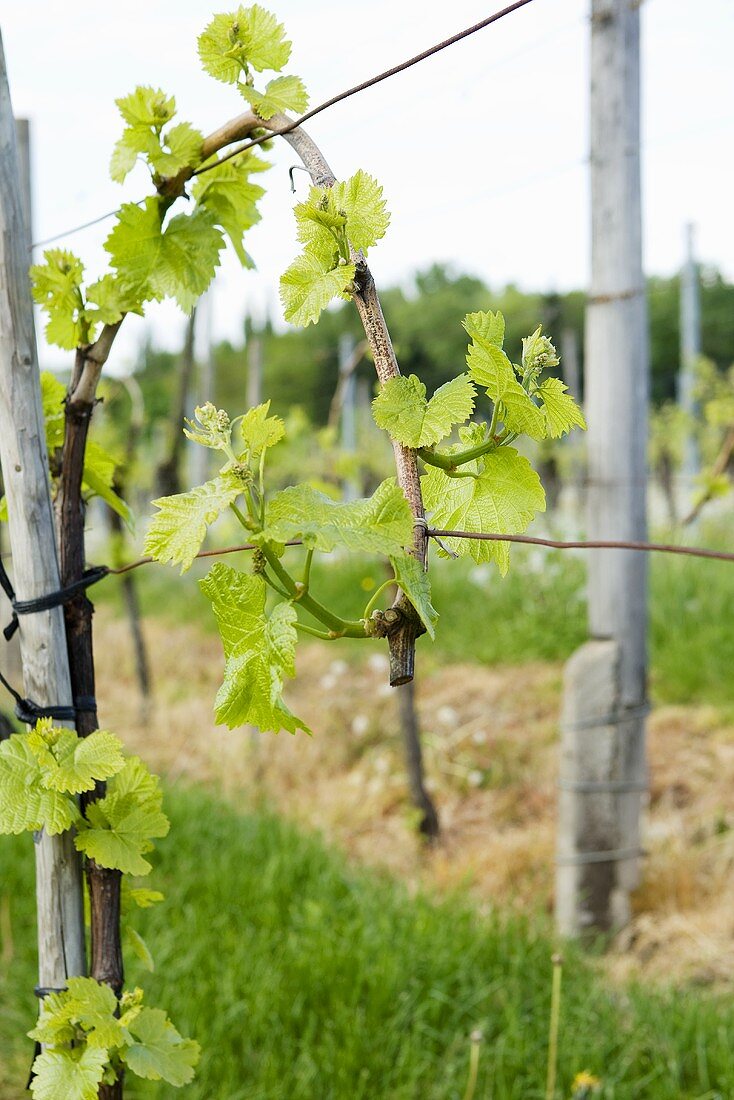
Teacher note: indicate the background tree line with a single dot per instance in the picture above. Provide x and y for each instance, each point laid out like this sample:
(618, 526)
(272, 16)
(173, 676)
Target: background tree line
(301, 365)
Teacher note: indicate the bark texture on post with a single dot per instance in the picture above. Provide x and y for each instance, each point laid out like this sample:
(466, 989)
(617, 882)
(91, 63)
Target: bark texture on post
(600, 790)
(616, 408)
(61, 948)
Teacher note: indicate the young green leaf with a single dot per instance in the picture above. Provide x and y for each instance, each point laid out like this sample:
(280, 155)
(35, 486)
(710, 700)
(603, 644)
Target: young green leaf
(562, 412)
(99, 478)
(145, 112)
(86, 1004)
(284, 93)
(229, 196)
(139, 948)
(489, 367)
(182, 146)
(319, 209)
(360, 197)
(381, 524)
(259, 651)
(93, 1005)
(110, 300)
(53, 396)
(25, 803)
(138, 780)
(178, 529)
(248, 37)
(70, 763)
(320, 227)
(178, 263)
(140, 896)
(128, 147)
(147, 108)
(307, 287)
(221, 48)
(238, 602)
(413, 579)
(485, 328)
(71, 1074)
(402, 410)
(118, 832)
(157, 1050)
(260, 431)
(266, 45)
(56, 285)
(119, 828)
(502, 498)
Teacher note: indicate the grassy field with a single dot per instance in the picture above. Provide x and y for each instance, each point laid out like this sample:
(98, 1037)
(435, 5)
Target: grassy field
(303, 978)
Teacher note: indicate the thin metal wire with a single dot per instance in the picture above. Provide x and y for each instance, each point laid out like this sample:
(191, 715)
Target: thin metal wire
(371, 82)
(609, 544)
(84, 225)
(589, 544)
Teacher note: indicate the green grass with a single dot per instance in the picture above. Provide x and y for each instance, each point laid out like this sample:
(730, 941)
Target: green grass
(305, 979)
(537, 612)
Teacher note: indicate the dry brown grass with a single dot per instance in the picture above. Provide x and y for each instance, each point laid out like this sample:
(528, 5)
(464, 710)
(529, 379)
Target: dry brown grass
(490, 745)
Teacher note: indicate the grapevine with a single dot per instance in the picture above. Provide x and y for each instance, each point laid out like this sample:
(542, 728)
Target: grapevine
(457, 464)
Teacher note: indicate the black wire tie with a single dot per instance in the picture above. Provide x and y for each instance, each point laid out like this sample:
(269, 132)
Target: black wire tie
(50, 599)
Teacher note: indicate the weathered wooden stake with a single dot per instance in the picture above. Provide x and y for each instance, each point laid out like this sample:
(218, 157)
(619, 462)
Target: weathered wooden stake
(616, 405)
(61, 948)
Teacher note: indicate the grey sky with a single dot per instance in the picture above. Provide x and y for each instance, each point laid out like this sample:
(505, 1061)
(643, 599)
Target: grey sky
(480, 150)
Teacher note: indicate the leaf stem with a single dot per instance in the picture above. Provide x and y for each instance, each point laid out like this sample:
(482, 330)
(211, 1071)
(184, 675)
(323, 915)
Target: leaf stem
(246, 523)
(450, 462)
(493, 421)
(307, 571)
(274, 586)
(375, 596)
(314, 632)
(341, 628)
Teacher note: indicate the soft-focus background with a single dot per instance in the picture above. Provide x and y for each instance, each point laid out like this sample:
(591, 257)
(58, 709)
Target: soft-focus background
(311, 941)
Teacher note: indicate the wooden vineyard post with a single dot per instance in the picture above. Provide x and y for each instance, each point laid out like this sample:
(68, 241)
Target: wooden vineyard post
(61, 949)
(599, 866)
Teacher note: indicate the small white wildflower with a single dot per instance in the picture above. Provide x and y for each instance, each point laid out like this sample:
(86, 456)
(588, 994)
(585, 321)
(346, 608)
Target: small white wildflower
(360, 725)
(447, 716)
(378, 662)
